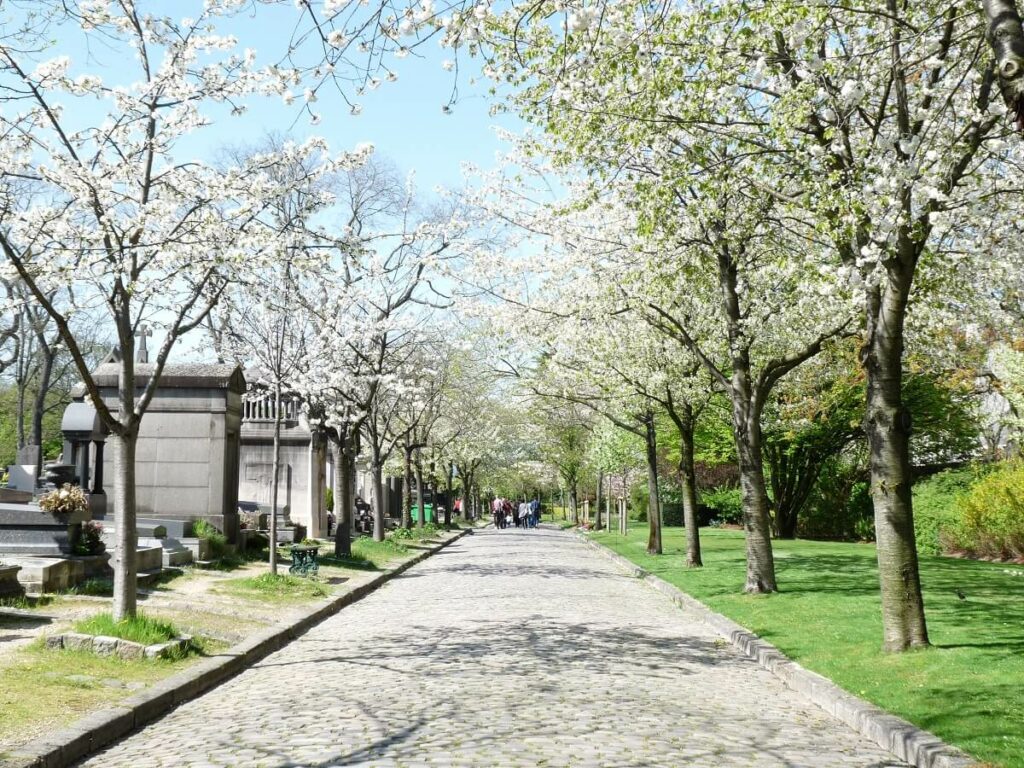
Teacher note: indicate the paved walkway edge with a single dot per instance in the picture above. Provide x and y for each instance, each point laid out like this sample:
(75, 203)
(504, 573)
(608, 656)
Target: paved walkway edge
(98, 730)
(905, 740)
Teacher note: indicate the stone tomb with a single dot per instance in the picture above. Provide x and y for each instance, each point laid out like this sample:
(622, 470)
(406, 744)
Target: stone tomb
(187, 457)
(25, 529)
(302, 474)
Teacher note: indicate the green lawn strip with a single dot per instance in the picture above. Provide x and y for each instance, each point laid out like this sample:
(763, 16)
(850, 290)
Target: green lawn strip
(139, 629)
(275, 589)
(42, 691)
(968, 688)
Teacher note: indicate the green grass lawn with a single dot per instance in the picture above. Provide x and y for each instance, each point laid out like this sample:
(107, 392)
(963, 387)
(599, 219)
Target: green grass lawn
(281, 588)
(138, 629)
(43, 690)
(968, 688)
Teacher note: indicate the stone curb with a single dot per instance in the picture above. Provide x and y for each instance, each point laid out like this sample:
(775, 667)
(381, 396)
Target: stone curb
(905, 740)
(106, 726)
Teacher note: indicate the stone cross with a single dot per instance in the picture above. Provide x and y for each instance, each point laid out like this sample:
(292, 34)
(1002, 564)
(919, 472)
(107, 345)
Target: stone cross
(143, 352)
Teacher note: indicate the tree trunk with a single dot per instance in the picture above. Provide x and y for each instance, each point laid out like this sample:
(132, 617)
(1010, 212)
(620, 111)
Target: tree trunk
(275, 471)
(688, 483)
(421, 519)
(888, 429)
(39, 405)
(623, 508)
(20, 416)
(683, 417)
(407, 486)
(1006, 36)
(597, 501)
(573, 506)
(377, 480)
(125, 533)
(450, 487)
(608, 503)
(756, 520)
(654, 502)
(342, 516)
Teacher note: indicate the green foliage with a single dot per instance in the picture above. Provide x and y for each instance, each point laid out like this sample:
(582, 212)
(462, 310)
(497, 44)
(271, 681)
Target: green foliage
(726, 504)
(94, 587)
(139, 628)
(329, 499)
(992, 514)
(839, 506)
(935, 508)
(89, 542)
(53, 442)
(203, 529)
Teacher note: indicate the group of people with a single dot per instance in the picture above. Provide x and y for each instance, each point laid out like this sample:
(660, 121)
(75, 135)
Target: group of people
(507, 513)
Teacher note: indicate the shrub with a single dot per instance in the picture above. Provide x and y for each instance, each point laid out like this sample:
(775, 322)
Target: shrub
(89, 540)
(329, 499)
(203, 529)
(839, 506)
(936, 512)
(992, 514)
(725, 503)
(672, 513)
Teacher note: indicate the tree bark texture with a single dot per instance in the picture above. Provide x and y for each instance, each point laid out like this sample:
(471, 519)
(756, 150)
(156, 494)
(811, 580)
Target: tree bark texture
(125, 533)
(377, 480)
(450, 502)
(407, 487)
(682, 416)
(746, 418)
(275, 471)
(888, 429)
(39, 404)
(688, 483)
(1006, 36)
(624, 507)
(421, 518)
(597, 501)
(342, 503)
(653, 500)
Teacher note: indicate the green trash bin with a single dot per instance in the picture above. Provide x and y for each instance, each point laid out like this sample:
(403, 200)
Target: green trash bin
(429, 510)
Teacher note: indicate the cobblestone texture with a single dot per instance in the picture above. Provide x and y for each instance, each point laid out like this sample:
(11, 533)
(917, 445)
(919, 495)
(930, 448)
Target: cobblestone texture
(509, 648)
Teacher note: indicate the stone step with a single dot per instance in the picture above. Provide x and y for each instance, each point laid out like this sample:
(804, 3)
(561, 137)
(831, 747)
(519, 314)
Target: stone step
(149, 577)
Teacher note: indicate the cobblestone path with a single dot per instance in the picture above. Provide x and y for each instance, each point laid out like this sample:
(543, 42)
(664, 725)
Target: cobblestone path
(509, 648)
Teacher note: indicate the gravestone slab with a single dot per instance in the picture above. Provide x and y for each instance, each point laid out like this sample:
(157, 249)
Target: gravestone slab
(9, 584)
(12, 496)
(26, 530)
(22, 477)
(31, 455)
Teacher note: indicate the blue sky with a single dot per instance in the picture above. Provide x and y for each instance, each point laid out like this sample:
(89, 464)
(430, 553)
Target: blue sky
(403, 119)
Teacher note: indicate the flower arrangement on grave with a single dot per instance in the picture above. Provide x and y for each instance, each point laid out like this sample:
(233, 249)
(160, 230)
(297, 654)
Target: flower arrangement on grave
(67, 500)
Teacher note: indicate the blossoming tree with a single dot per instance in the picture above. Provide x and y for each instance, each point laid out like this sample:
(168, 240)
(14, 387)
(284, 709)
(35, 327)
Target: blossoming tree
(115, 211)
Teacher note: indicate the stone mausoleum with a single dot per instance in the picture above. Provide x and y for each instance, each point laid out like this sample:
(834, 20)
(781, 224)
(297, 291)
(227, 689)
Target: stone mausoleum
(187, 459)
(302, 474)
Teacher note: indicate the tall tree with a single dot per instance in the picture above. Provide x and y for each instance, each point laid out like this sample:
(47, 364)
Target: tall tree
(114, 212)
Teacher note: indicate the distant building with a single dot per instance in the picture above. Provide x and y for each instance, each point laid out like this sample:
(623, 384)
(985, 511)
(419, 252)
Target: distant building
(302, 471)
